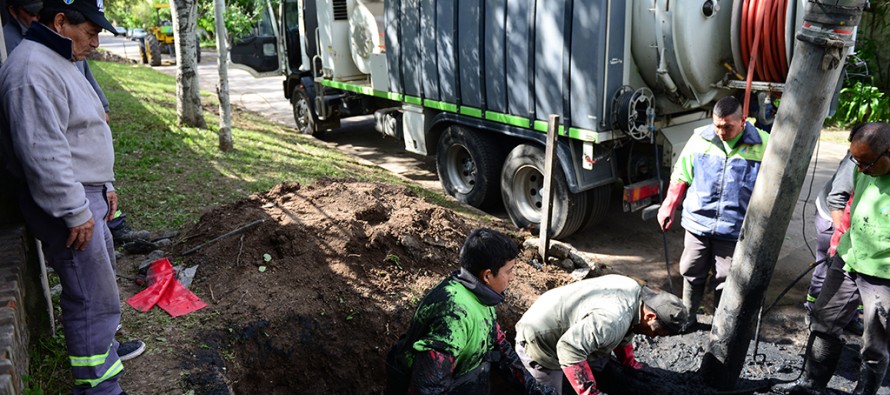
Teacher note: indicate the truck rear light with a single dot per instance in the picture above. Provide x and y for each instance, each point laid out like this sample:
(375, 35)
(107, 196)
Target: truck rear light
(640, 194)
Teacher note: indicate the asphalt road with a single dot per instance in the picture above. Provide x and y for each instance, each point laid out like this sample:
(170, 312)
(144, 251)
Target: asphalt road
(622, 241)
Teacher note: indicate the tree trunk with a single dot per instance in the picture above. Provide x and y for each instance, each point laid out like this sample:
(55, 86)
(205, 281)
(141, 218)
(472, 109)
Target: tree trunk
(818, 58)
(222, 90)
(188, 100)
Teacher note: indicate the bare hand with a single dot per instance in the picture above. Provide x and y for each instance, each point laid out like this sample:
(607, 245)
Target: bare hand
(79, 236)
(112, 205)
(107, 118)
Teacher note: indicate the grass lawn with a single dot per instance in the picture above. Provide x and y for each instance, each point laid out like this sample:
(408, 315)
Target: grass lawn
(167, 174)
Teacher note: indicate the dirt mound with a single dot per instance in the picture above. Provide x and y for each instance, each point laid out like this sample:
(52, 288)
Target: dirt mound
(310, 300)
(316, 294)
(106, 56)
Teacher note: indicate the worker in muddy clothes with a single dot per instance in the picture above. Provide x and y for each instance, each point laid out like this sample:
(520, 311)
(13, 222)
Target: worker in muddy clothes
(572, 331)
(454, 339)
(861, 263)
(719, 164)
(57, 145)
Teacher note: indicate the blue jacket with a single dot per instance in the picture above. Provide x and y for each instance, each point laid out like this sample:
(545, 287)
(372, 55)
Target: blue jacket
(720, 182)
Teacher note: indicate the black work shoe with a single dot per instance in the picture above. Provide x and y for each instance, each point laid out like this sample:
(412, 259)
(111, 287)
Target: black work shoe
(139, 247)
(855, 327)
(130, 350)
(799, 387)
(123, 234)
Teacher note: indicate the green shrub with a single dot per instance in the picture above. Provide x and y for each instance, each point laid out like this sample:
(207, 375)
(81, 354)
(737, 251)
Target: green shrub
(861, 102)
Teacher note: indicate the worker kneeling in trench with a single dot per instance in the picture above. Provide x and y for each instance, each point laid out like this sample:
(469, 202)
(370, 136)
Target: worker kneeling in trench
(572, 330)
(454, 339)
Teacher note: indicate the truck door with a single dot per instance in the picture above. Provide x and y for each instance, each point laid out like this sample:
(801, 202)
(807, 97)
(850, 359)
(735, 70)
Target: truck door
(299, 23)
(258, 51)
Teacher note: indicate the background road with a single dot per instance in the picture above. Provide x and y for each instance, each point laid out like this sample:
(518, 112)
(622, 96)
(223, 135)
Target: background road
(623, 241)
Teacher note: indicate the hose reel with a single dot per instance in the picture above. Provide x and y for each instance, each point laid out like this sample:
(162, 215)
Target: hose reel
(629, 111)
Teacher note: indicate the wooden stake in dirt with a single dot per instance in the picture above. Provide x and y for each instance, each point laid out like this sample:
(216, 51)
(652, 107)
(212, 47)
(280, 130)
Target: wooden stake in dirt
(818, 58)
(549, 162)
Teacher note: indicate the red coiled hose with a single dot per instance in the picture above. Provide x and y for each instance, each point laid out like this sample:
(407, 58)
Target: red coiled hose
(762, 42)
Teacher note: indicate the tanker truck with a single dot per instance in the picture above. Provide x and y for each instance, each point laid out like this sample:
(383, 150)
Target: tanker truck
(473, 83)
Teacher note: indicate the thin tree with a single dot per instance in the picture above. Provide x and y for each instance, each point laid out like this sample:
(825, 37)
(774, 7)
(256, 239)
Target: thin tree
(188, 100)
(222, 90)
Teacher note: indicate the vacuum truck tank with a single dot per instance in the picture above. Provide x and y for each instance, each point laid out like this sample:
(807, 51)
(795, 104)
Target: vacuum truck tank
(473, 83)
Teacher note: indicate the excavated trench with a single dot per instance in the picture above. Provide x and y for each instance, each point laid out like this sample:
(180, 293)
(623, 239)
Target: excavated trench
(346, 262)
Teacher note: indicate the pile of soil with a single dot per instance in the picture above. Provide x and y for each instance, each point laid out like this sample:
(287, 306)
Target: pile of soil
(107, 56)
(310, 300)
(349, 263)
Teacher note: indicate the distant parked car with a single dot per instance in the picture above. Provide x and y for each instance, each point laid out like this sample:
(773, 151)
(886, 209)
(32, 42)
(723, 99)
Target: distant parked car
(136, 34)
(121, 31)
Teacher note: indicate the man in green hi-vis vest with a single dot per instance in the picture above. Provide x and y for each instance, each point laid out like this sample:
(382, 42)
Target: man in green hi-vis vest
(861, 264)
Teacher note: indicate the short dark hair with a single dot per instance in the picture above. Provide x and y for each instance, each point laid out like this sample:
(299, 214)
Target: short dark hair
(47, 15)
(874, 134)
(855, 129)
(487, 249)
(727, 106)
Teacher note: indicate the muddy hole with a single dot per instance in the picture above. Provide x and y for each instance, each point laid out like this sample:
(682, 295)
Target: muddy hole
(350, 261)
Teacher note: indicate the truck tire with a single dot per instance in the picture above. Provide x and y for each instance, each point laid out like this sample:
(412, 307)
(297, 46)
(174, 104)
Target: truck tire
(304, 116)
(599, 200)
(142, 55)
(153, 50)
(469, 164)
(522, 186)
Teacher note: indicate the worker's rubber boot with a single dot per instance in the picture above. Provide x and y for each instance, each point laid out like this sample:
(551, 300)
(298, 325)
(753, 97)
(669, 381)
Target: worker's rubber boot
(692, 297)
(821, 362)
(870, 377)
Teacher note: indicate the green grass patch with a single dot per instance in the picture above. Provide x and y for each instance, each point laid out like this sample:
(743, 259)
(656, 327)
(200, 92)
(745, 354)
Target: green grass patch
(167, 174)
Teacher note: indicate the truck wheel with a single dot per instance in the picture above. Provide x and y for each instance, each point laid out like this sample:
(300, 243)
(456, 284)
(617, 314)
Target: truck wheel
(599, 200)
(153, 50)
(522, 187)
(468, 164)
(303, 114)
(142, 55)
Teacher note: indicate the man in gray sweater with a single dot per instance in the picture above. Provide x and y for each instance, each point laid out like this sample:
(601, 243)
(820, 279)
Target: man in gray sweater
(22, 14)
(57, 144)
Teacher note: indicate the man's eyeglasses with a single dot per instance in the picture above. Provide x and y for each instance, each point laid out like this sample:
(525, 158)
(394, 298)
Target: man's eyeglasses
(867, 167)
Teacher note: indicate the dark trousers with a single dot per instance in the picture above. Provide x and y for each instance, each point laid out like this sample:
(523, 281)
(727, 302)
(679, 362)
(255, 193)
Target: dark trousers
(90, 300)
(838, 302)
(701, 254)
(824, 231)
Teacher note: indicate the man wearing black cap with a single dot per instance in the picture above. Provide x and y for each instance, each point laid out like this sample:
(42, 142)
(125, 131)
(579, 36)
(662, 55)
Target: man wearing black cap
(23, 13)
(56, 143)
(572, 330)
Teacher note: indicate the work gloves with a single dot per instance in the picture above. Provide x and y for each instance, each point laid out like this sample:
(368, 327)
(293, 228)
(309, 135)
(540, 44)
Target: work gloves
(625, 356)
(840, 229)
(674, 197)
(581, 378)
(512, 367)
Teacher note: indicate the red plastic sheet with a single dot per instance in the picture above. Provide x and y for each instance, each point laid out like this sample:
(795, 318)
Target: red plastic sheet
(166, 292)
